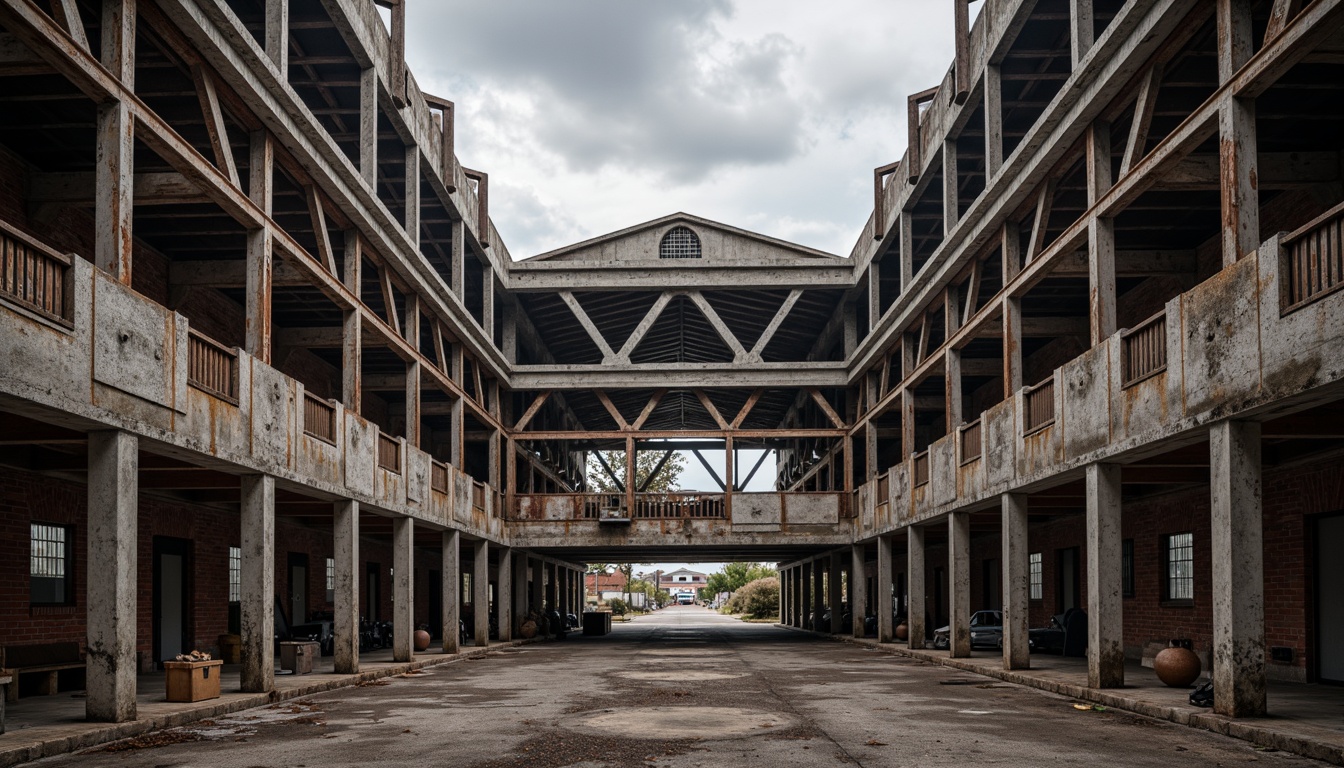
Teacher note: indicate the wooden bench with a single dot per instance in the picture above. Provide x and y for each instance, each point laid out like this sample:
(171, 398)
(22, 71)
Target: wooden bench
(47, 659)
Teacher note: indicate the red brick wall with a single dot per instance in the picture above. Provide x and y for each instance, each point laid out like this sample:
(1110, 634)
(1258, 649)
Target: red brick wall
(27, 498)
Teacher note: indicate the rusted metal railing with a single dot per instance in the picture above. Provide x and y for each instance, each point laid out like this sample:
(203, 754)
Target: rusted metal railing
(919, 470)
(968, 437)
(1313, 260)
(319, 418)
(1040, 406)
(34, 276)
(594, 503)
(1143, 349)
(212, 367)
(389, 452)
(438, 476)
(660, 506)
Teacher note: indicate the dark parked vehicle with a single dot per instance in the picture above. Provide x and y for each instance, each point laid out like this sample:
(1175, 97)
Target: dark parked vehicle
(986, 631)
(1066, 634)
(318, 631)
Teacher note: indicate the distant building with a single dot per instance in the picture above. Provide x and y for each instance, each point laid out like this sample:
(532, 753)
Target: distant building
(683, 581)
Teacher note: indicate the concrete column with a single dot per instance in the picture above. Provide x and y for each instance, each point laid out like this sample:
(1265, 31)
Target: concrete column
(1100, 235)
(1238, 570)
(368, 128)
(818, 593)
(110, 593)
(113, 180)
(345, 553)
(784, 596)
(452, 591)
(548, 574)
(1016, 582)
(1081, 31)
(277, 35)
(805, 593)
(858, 589)
(834, 597)
(951, 210)
(403, 588)
(504, 595)
(797, 597)
(259, 256)
(480, 592)
(258, 583)
(882, 602)
(1238, 156)
(1105, 618)
(914, 559)
(959, 582)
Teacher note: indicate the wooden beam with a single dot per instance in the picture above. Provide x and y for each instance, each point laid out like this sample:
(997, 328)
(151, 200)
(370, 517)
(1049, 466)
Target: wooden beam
(66, 13)
(715, 475)
(215, 126)
(1137, 144)
(531, 411)
(318, 217)
(913, 160)
(611, 409)
(662, 462)
(775, 323)
(648, 409)
(961, 65)
(389, 299)
(714, 412)
(826, 407)
(720, 327)
(1279, 16)
(1041, 220)
(746, 407)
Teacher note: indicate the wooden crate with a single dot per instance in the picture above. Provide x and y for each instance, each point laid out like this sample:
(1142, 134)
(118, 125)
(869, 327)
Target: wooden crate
(193, 680)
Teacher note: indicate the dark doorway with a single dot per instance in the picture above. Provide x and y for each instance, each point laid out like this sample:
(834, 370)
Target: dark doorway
(1068, 587)
(298, 588)
(373, 592)
(940, 612)
(991, 596)
(1329, 606)
(435, 592)
(172, 591)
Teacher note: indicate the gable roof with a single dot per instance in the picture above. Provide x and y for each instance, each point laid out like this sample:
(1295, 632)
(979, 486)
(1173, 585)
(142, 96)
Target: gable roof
(773, 250)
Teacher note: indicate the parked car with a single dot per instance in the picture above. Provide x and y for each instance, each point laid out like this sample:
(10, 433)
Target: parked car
(1066, 634)
(986, 631)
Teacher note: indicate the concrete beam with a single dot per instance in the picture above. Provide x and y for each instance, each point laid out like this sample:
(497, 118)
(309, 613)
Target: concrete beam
(1237, 552)
(258, 583)
(915, 611)
(451, 590)
(480, 592)
(1105, 610)
(504, 610)
(882, 603)
(345, 553)
(403, 589)
(1016, 582)
(959, 582)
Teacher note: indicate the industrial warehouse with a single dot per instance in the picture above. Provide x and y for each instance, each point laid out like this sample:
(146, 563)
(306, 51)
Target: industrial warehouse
(266, 362)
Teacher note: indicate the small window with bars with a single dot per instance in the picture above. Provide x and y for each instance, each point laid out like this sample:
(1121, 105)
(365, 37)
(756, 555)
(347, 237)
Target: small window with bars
(51, 566)
(235, 574)
(1180, 557)
(679, 243)
(1036, 575)
(331, 580)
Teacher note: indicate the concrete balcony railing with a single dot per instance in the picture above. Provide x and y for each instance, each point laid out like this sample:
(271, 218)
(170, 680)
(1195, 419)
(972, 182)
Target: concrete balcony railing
(141, 368)
(1260, 331)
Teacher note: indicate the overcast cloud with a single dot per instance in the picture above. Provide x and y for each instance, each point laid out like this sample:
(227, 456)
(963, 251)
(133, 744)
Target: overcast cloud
(594, 115)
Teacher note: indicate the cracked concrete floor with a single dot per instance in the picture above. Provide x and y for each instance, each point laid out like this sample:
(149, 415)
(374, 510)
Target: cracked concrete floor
(682, 688)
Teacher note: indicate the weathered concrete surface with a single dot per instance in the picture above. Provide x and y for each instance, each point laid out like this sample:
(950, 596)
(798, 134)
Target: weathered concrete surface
(775, 697)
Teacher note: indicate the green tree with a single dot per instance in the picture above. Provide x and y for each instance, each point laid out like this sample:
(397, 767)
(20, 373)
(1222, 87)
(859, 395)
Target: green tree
(735, 576)
(757, 599)
(652, 473)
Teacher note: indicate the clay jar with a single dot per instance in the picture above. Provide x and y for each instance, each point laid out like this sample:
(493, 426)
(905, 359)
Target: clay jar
(1177, 667)
(421, 640)
(902, 631)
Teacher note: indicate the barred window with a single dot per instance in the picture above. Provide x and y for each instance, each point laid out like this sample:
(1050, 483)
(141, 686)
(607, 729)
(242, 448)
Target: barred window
(1036, 573)
(331, 580)
(1180, 555)
(235, 574)
(679, 243)
(51, 564)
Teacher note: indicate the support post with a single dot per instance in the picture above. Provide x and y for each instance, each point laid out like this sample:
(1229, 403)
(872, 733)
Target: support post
(368, 127)
(345, 554)
(1237, 136)
(959, 582)
(806, 573)
(259, 254)
(882, 603)
(914, 563)
(452, 591)
(519, 593)
(951, 193)
(504, 595)
(277, 35)
(993, 121)
(538, 585)
(480, 592)
(1081, 30)
(858, 590)
(1100, 235)
(818, 594)
(257, 583)
(1105, 617)
(110, 596)
(403, 588)
(113, 175)
(1239, 682)
(1016, 582)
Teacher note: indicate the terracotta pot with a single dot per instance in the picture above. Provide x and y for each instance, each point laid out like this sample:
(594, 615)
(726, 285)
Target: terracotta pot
(1177, 667)
(528, 630)
(902, 631)
(421, 640)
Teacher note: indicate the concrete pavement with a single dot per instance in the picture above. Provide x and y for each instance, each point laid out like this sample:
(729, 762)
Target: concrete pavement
(684, 687)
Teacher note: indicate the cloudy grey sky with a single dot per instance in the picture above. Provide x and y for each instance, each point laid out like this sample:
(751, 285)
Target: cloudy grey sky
(593, 115)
